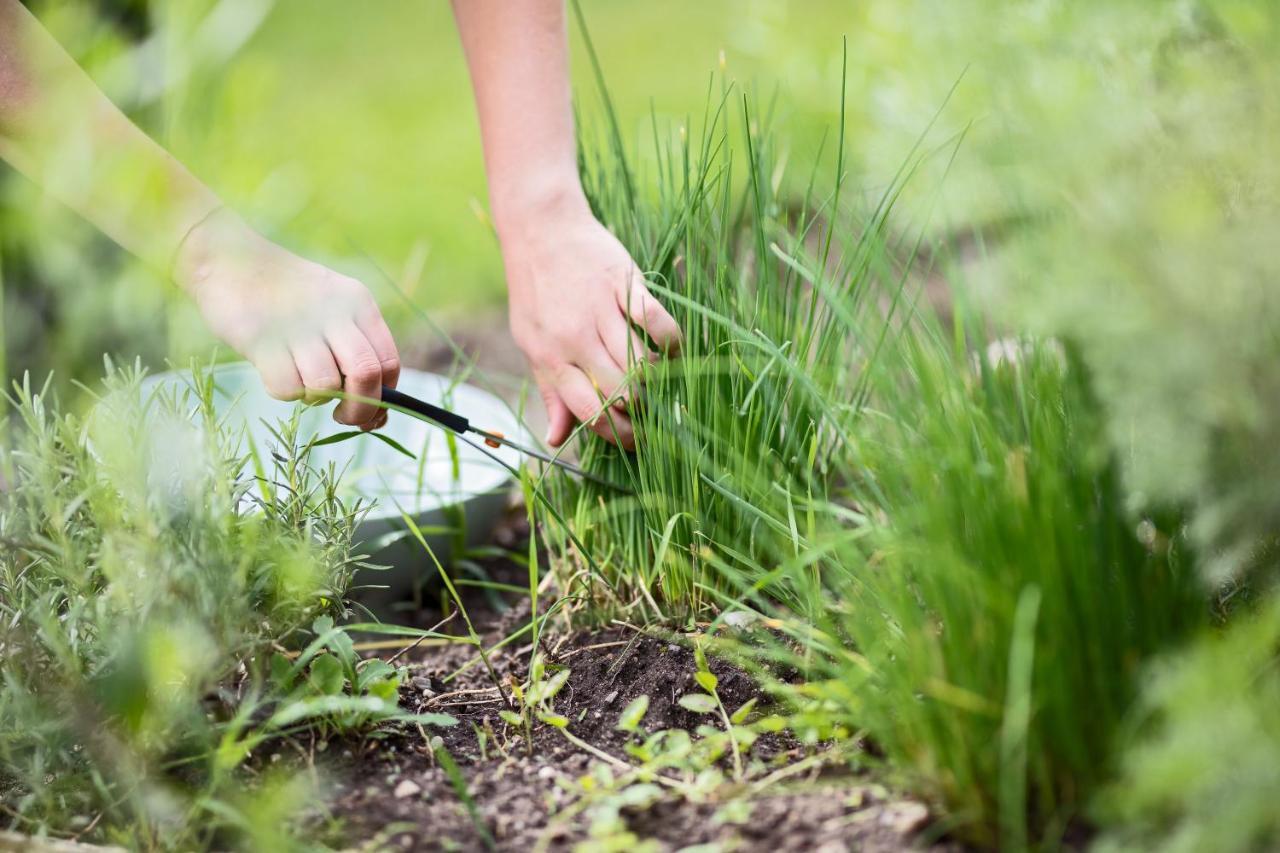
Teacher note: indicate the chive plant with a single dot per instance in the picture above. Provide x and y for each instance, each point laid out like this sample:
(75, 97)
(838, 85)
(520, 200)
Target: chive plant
(942, 534)
(1001, 601)
(738, 434)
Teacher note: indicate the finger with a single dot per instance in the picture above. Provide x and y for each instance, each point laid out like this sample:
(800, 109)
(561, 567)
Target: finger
(580, 395)
(648, 314)
(315, 364)
(361, 375)
(279, 376)
(559, 418)
(608, 381)
(626, 350)
(625, 347)
(375, 330)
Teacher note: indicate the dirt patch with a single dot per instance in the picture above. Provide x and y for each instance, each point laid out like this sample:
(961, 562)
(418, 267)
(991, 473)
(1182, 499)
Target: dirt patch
(392, 793)
(526, 798)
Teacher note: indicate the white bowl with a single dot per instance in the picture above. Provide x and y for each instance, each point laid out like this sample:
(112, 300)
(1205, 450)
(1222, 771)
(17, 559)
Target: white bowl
(454, 499)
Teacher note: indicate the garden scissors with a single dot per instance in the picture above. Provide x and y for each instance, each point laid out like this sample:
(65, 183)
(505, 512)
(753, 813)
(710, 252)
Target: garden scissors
(460, 425)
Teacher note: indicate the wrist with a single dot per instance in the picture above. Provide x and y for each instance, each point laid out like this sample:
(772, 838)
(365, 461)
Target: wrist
(217, 233)
(536, 202)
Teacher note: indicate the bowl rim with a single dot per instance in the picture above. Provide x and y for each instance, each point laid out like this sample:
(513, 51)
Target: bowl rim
(380, 511)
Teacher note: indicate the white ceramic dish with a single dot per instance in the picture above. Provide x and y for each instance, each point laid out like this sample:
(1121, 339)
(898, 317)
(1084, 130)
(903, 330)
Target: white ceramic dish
(441, 495)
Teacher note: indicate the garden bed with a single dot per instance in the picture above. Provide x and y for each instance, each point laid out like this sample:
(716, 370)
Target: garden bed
(394, 792)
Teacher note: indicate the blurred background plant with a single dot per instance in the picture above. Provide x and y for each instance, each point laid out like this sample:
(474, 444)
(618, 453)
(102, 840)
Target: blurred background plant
(1204, 766)
(1118, 169)
(1002, 600)
(144, 586)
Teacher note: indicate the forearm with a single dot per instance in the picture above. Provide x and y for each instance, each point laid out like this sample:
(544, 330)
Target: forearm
(62, 132)
(517, 53)
(578, 302)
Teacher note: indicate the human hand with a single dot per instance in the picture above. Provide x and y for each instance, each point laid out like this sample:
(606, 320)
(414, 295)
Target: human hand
(575, 296)
(311, 332)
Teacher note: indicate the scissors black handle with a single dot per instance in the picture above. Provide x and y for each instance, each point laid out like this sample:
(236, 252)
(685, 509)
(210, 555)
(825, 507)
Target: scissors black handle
(444, 417)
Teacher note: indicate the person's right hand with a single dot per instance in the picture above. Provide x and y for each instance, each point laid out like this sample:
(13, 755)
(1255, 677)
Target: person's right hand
(579, 305)
(308, 330)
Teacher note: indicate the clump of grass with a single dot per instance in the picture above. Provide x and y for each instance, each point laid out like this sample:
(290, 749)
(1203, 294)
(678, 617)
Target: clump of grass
(143, 586)
(943, 532)
(1000, 599)
(739, 435)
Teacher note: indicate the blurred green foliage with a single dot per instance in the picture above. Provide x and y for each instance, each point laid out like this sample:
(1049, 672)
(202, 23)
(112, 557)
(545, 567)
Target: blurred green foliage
(143, 586)
(344, 135)
(1204, 770)
(1126, 152)
(1001, 611)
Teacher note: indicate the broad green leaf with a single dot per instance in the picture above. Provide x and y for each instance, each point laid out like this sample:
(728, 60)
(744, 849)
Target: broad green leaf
(326, 675)
(638, 751)
(631, 716)
(701, 658)
(281, 668)
(374, 670)
(676, 743)
(706, 680)
(387, 689)
(511, 717)
(699, 703)
(741, 714)
(772, 723)
(639, 795)
(548, 689)
(341, 644)
(557, 720)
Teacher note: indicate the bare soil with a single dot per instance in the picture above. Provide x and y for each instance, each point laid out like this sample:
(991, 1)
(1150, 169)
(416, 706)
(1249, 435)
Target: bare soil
(392, 793)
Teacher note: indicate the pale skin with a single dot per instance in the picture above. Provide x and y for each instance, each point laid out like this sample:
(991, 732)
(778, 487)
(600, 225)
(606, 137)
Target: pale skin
(577, 298)
(575, 293)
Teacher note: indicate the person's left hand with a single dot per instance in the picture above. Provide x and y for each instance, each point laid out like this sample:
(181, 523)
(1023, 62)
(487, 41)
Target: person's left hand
(311, 332)
(577, 299)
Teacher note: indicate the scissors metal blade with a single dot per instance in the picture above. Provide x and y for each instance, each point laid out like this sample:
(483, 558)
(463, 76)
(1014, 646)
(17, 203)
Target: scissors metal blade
(499, 438)
(460, 425)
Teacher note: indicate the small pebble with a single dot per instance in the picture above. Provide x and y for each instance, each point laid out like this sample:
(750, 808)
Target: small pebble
(407, 788)
(608, 700)
(547, 772)
(905, 818)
